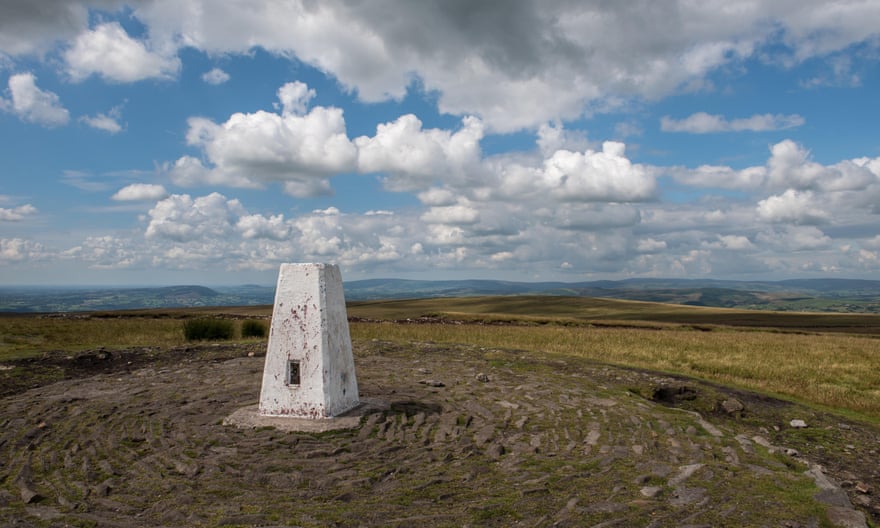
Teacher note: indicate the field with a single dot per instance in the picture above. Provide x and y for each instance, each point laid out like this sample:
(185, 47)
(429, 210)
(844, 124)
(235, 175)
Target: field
(500, 410)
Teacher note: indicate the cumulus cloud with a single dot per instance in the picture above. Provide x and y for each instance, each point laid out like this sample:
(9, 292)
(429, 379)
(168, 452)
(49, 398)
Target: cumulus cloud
(720, 177)
(416, 157)
(109, 52)
(300, 149)
(16, 214)
(181, 218)
(108, 122)
(32, 104)
(596, 176)
(798, 207)
(259, 226)
(21, 250)
(790, 166)
(106, 253)
(553, 137)
(565, 59)
(215, 76)
(794, 238)
(703, 123)
(140, 192)
(451, 215)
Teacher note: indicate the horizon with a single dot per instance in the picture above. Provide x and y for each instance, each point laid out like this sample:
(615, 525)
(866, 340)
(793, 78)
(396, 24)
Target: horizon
(273, 285)
(526, 141)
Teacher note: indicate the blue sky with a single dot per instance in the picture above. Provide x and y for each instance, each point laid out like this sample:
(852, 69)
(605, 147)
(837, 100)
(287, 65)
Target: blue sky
(186, 141)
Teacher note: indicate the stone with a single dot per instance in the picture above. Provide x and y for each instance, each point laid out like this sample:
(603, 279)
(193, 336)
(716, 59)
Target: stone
(29, 495)
(846, 517)
(483, 377)
(797, 424)
(650, 491)
(732, 406)
(309, 370)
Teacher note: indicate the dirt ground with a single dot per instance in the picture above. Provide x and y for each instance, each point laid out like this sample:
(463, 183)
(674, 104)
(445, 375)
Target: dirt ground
(467, 437)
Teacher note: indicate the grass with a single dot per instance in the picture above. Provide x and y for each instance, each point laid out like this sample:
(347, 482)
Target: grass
(31, 335)
(836, 371)
(830, 360)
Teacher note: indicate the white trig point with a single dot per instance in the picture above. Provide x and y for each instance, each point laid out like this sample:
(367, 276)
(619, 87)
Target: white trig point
(309, 370)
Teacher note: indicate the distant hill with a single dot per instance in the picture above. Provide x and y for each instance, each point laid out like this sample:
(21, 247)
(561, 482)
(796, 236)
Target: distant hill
(824, 295)
(91, 299)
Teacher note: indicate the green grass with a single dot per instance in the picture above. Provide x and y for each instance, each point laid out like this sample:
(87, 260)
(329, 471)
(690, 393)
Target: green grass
(24, 336)
(533, 309)
(201, 329)
(836, 371)
(830, 360)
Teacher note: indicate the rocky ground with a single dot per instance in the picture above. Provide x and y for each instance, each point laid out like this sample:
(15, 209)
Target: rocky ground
(468, 437)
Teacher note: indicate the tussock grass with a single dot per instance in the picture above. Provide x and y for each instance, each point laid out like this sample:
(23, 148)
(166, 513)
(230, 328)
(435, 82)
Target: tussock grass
(22, 336)
(831, 360)
(207, 329)
(836, 371)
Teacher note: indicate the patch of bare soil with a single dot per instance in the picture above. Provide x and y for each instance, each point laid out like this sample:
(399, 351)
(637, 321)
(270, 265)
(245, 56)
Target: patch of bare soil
(467, 437)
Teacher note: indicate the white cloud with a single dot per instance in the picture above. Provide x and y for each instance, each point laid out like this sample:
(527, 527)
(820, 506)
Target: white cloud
(733, 242)
(109, 52)
(16, 214)
(416, 157)
(461, 214)
(301, 150)
(31, 104)
(106, 253)
(553, 137)
(215, 76)
(140, 192)
(181, 218)
(21, 250)
(565, 59)
(790, 166)
(596, 176)
(514, 65)
(259, 226)
(650, 245)
(798, 207)
(703, 123)
(795, 238)
(108, 122)
(720, 177)
(294, 97)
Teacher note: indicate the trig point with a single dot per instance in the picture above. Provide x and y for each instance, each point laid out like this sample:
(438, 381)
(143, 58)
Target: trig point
(309, 370)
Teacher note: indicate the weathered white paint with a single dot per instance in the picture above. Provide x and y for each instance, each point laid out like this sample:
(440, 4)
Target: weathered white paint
(309, 325)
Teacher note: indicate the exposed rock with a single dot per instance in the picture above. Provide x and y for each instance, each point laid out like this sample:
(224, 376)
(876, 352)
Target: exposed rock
(798, 424)
(483, 377)
(732, 406)
(28, 494)
(651, 491)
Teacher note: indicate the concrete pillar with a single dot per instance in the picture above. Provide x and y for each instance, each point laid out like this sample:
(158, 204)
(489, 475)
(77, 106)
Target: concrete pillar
(309, 370)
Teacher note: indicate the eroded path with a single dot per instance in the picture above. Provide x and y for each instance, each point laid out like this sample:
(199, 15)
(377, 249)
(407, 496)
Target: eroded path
(471, 437)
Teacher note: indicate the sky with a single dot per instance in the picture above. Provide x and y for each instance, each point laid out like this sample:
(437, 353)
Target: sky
(163, 142)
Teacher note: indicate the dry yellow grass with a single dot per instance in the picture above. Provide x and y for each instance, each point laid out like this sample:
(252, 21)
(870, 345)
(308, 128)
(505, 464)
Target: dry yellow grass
(836, 371)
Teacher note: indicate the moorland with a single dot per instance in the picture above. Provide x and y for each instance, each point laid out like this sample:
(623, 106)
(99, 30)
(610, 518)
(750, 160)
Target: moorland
(537, 410)
(816, 295)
